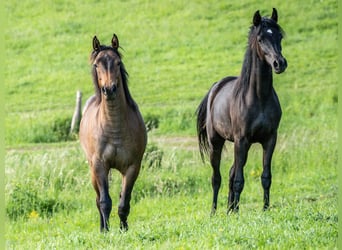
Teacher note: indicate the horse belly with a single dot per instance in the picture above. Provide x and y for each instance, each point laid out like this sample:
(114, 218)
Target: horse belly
(223, 128)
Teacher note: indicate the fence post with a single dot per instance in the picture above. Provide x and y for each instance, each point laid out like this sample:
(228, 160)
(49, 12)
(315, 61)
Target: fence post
(76, 118)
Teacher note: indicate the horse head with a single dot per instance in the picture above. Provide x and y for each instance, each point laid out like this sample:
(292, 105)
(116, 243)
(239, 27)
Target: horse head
(107, 65)
(267, 37)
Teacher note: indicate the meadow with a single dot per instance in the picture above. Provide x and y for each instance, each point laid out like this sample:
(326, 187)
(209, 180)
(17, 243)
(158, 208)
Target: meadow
(173, 52)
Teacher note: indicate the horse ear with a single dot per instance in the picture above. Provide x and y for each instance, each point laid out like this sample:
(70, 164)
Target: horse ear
(274, 16)
(115, 42)
(96, 44)
(257, 18)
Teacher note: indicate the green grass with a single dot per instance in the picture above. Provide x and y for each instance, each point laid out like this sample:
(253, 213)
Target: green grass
(173, 52)
(171, 204)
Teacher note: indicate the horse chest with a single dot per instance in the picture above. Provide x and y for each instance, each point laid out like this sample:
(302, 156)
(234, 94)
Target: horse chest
(262, 125)
(114, 146)
(115, 154)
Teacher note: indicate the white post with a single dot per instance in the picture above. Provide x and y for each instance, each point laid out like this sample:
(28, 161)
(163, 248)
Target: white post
(76, 118)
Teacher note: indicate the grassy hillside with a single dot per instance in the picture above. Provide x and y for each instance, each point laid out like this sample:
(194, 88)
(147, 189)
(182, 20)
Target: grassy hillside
(173, 51)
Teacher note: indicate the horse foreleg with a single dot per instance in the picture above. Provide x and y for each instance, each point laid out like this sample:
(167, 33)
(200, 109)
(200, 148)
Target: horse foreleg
(266, 176)
(128, 180)
(241, 148)
(103, 200)
(215, 159)
(102, 225)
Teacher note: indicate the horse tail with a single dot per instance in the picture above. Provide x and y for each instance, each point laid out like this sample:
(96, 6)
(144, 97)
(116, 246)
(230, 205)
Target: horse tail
(202, 127)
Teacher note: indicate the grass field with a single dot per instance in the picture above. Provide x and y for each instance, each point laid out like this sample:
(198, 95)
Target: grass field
(173, 51)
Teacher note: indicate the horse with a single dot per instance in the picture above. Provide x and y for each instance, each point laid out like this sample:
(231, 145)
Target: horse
(112, 131)
(244, 109)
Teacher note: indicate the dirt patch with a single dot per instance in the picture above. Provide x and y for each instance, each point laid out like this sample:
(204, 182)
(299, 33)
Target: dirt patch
(183, 142)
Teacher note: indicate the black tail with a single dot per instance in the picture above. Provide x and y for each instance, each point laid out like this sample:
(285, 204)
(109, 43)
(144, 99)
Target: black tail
(202, 127)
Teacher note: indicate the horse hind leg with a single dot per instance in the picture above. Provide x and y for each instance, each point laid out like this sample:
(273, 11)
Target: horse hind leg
(215, 160)
(128, 180)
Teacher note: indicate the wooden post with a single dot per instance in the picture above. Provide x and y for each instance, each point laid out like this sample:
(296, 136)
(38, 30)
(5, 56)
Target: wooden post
(76, 118)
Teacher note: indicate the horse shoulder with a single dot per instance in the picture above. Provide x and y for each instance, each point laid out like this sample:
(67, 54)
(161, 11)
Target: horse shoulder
(130, 145)
(137, 128)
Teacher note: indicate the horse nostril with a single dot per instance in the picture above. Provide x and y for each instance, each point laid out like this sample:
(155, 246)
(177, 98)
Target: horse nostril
(275, 64)
(104, 90)
(114, 87)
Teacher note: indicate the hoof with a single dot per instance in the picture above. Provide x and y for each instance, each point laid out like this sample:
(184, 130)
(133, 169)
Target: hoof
(266, 208)
(233, 210)
(104, 230)
(123, 226)
(213, 212)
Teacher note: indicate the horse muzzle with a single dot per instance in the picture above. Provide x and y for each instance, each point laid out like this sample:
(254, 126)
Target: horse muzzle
(279, 65)
(109, 92)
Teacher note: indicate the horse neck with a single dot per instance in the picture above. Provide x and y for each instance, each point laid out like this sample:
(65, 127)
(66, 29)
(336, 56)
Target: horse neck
(256, 75)
(114, 112)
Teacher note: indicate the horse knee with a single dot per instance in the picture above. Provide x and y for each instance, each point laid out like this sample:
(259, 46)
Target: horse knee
(123, 211)
(266, 181)
(238, 186)
(105, 207)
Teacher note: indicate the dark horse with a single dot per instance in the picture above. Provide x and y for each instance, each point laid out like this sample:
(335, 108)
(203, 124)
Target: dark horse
(244, 110)
(112, 131)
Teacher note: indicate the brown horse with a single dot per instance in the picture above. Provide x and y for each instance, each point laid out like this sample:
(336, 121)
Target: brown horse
(112, 131)
(245, 110)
